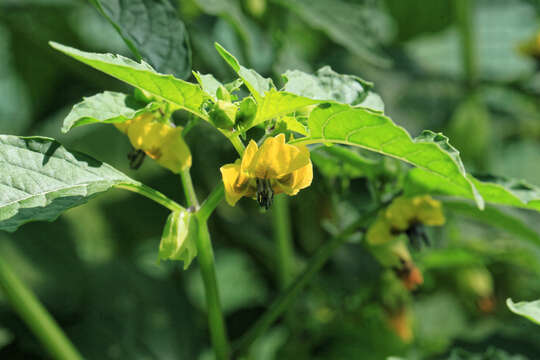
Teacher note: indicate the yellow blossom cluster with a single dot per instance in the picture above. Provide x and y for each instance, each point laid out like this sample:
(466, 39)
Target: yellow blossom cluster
(276, 167)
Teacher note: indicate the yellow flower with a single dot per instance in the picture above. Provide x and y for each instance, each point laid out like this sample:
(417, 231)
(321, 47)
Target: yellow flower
(403, 214)
(160, 141)
(275, 168)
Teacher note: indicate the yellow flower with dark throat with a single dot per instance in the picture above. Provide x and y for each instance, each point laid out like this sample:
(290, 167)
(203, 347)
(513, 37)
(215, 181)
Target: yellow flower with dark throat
(404, 214)
(160, 141)
(274, 168)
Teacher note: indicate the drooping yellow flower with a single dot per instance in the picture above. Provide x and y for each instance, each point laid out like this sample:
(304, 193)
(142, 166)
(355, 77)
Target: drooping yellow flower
(402, 214)
(274, 168)
(160, 141)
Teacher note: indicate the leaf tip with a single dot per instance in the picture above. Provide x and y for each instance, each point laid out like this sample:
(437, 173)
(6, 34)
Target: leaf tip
(227, 56)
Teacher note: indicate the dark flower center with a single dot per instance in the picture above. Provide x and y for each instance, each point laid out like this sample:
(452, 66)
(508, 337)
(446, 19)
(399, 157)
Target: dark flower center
(265, 194)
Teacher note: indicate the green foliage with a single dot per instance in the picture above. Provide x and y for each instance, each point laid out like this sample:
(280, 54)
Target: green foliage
(496, 218)
(184, 95)
(495, 190)
(358, 27)
(256, 84)
(41, 179)
(107, 107)
(527, 309)
(373, 131)
(329, 85)
(153, 32)
(470, 80)
(498, 27)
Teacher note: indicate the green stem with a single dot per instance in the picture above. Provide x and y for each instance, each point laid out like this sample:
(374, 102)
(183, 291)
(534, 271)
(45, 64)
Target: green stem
(189, 191)
(36, 316)
(216, 322)
(285, 299)
(151, 194)
(464, 16)
(211, 202)
(282, 236)
(238, 144)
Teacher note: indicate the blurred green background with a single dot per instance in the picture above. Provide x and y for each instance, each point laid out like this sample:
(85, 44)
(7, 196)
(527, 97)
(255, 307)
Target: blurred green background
(96, 269)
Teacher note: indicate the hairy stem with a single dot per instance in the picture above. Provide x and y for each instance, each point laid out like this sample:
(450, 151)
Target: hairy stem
(26, 304)
(216, 322)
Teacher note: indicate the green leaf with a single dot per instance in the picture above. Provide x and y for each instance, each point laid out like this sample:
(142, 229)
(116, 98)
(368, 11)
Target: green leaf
(178, 241)
(107, 107)
(527, 309)
(494, 217)
(357, 27)
(256, 84)
(327, 84)
(183, 94)
(208, 83)
(257, 47)
(279, 103)
(344, 124)
(332, 166)
(270, 102)
(153, 31)
(292, 124)
(495, 190)
(39, 179)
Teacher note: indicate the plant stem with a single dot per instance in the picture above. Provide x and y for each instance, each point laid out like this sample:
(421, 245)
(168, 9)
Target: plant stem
(36, 316)
(238, 144)
(151, 194)
(216, 322)
(189, 191)
(285, 299)
(211, 202)
(465, 21)
(282, 236)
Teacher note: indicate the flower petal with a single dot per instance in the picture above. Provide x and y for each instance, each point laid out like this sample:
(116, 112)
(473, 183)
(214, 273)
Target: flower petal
(249, 157)
(174, 152)
(299, 179)
(235, 184)
(276, 158)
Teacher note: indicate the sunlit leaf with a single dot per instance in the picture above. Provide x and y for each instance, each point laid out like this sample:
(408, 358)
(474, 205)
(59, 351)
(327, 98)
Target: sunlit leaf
(208, 83)
(344, 124)
(527, 309)
(495, 190)
(256, 84)
(106, 107)
(153, 31)
(183, 94)
(278, 103)
(39, 179)
(327, 84)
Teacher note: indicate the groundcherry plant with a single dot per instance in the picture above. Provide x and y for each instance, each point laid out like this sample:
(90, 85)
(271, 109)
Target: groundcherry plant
(279, 133)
